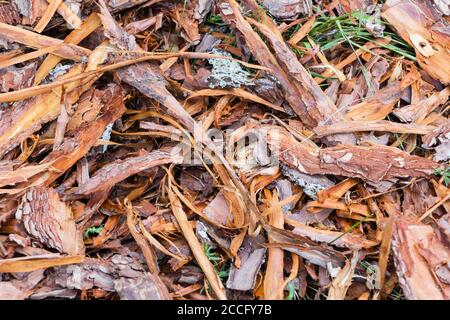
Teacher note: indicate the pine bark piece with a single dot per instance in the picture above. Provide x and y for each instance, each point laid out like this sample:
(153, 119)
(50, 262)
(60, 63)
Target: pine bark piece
(218, 210)
(10, 176)
(26, 117)
(318, 105)
(374, 125)
(288, 9)
(373, 164)
(148, 287)
(118, 5)
(86, 135)
(439, 139)
(120, 273)
(308, 249)
(32, 263)
(251, 257)
(20, 289)
(106, 177)
(422, 261)
(16, 78)
(9, 14)
(30, 10)
(304, 95)
(444, 225)
(418, 111)
(421, 25)
(50, 220)
(338, 239)
(378, 106)
(38, 41)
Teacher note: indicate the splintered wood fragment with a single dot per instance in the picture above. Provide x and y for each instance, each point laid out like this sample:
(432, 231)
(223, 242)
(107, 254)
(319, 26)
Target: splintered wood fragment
(16, 78)
(48, 15)
(148, 80)
(76, 36)
(8, 13)
(373, 125)
(373, 164)
(74, 148)
(302, 32)
(273, 278)
(22, 174)
(251, 257)
(28, 264)
(38, 41)
(418, 111)
(419, 23)
(378, 106)
(352, 58)
(106, 177)
(71, 18)
(196, 247)
(337, 191)
(238, 92)
(28, 56)
(25, 117)
(50, 220)
(304, 247)
(385, 249)
(339, 239)
(147, 250)
(421, 260)
(343, 280)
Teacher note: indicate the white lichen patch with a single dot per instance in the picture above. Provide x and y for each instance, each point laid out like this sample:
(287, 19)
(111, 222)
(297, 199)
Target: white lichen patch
(227, 73)
(58, 71)
(107, 135)
(311, 184)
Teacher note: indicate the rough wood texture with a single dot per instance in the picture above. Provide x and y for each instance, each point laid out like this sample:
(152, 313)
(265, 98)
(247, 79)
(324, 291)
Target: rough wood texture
(428, 34)
(50, 220)
(374, 164)
(422, 261)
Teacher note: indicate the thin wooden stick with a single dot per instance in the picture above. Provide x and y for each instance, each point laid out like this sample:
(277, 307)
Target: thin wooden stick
(89, 25)
(195, 246)
(430, 211)
(48, 15)
(38, 41)
(28, 56)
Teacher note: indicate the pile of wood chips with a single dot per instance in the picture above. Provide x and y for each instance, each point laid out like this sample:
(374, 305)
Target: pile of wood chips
(222, 149)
